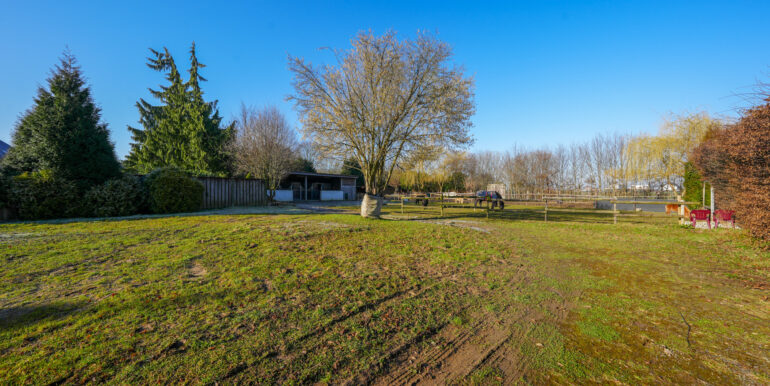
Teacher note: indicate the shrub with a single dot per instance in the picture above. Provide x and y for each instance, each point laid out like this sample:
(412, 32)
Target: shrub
(41, 195)
(172, 190)
(4, 187)
(119, 197)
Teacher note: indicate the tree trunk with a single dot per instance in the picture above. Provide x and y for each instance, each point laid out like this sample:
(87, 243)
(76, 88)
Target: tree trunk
(371, 206)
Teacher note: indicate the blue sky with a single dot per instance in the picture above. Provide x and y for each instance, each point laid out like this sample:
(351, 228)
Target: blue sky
(546, 72)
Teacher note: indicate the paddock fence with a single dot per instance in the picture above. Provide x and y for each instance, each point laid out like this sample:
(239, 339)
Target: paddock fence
(227, 192)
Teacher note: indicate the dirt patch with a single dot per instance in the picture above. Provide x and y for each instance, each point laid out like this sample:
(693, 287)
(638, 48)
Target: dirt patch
(474, 225)
(321, 208)
(17, 235)
(485, 342)
(197, 271)
(455, 353)
(312, 225)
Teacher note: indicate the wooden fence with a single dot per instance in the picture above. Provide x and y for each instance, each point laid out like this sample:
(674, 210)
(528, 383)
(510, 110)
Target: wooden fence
(226, 192)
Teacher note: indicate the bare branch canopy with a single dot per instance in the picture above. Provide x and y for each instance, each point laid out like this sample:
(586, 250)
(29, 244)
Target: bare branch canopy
(384, 100)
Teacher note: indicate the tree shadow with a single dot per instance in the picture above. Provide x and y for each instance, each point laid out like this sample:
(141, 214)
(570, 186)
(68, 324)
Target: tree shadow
(26, 316)
(231, 211)
(529, 214)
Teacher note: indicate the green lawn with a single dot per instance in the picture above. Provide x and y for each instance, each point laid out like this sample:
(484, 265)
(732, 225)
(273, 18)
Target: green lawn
(299, 298)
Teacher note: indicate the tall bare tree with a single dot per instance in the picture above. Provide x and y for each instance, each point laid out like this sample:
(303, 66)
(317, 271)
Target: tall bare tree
(383, 100)
(576, 168)
(264, 146)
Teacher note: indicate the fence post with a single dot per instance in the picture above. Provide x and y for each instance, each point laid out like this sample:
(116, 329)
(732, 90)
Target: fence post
(441, 197)
(614, 212)
(402, 204)
(546, 211)
(712, 202)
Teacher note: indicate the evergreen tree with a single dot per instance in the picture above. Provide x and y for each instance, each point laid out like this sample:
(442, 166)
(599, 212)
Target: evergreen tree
(350, 167)
(62, 133)
(694, 187)
(184, 130)
(301, 164)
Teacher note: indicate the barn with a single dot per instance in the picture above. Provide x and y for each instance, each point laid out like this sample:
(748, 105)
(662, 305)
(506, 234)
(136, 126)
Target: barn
(304, 186)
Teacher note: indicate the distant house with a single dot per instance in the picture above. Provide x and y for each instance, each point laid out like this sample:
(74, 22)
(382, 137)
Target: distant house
(303, 186)
(4, 147)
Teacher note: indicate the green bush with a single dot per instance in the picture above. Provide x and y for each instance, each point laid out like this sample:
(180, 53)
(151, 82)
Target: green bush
(172, 190)
(41, 195)
(4, 187)
(119, 197)
(693, 187)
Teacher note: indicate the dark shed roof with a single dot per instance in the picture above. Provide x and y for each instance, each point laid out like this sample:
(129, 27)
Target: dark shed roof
(322, 175)
(4, 148)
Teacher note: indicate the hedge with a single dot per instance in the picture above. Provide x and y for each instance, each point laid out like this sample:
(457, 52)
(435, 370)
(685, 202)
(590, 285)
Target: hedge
(41, 195)
(172, 191)
(736, 161)
(118, 197)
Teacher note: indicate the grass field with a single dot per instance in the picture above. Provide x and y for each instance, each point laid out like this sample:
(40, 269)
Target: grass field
(300, 298)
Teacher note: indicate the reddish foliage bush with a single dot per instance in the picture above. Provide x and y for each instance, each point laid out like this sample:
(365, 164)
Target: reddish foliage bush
(736, 160)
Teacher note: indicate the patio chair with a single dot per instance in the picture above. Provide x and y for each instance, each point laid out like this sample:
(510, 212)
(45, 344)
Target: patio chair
(700, 215)
(724, 215)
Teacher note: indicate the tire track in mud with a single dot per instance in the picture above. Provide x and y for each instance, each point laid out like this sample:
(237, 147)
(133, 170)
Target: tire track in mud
(441, 354)
(296, 344)
(462, 351)
(491, 342)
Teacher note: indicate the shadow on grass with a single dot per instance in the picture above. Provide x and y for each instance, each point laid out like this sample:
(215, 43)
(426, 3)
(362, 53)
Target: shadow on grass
(233, 211)
(530, 214)
(27, 316)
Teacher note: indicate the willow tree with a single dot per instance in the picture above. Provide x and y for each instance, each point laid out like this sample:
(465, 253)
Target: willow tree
(663, 157)
(384, 100)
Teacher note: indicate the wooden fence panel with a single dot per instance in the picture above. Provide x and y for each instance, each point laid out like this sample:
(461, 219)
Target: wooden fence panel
(226, 192)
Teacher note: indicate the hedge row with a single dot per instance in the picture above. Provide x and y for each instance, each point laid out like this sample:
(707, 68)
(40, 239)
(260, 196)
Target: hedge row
(42, 195)
(736, 161)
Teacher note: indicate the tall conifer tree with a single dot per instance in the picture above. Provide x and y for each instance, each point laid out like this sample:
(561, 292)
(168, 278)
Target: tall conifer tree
(62, 132)
(184, 130)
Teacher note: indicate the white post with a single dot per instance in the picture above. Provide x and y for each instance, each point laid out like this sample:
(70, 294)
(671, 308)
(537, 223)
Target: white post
(712, 202)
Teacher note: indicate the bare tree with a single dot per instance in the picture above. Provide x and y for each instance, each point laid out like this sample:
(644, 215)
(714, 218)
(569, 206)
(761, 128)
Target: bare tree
(561, 168)
(384, 100)
(264, 145)
(598, 161)
(576, 168)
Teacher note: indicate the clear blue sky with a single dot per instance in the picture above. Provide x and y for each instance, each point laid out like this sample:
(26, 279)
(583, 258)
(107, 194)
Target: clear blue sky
(546, 72)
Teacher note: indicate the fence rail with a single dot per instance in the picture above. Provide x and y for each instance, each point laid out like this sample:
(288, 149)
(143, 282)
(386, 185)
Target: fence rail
(227, 192)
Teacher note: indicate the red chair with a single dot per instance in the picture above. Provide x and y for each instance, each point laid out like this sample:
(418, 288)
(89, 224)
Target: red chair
(700, 215)
(724, 215)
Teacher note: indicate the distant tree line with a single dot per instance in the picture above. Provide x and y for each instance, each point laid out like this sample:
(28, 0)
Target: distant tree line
(605, 164)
